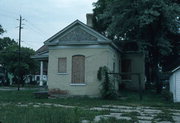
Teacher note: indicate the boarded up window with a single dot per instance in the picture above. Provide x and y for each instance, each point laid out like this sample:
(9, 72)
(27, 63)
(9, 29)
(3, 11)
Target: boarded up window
(78, 69)
(126, 68)
(62, 65)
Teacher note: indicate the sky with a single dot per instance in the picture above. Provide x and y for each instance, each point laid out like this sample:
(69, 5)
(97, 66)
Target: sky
(41, 18)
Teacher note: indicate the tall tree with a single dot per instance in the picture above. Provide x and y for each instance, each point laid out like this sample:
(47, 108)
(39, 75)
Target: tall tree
(9, 59)
(1, 30)
(5, 42)
(98, 23)
(147, 22)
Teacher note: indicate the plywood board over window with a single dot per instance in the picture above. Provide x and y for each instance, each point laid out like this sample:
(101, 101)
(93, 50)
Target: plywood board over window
(62, 65)
(78, 69)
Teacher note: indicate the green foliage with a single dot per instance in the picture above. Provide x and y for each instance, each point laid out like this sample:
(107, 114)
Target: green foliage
(168, 96)
(42, 114)
(147, 22)
(5, 42)
(107, 91)
(128, 98)
(9, 59)
(99, 74)
(1, 30)
(98, 23)
(164, 116)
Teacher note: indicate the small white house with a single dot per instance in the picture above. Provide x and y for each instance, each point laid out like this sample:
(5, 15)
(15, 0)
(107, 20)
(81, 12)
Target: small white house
(74, 55)
(175, 84)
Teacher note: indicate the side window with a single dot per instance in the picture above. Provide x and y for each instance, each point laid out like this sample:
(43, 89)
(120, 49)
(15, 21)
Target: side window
(78, 69)
(62, 65)
(126, 68)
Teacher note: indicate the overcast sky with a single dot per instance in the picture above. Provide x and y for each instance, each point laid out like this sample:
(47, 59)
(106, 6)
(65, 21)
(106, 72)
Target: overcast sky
(42, 18)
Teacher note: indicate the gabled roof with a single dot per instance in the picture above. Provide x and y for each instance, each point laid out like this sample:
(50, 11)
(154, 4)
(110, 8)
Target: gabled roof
(100, 37)
(175, 69)
(42, 49)
(83, 35)
(41, 53)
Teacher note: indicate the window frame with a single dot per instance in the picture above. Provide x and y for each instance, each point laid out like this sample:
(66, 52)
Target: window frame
(59, 67)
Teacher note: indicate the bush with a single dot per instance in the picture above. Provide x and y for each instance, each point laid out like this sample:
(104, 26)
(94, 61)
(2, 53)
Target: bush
(107, 91)
(168, 96)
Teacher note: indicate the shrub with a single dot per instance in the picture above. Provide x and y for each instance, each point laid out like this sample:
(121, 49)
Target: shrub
(168, 96)
(107, 91)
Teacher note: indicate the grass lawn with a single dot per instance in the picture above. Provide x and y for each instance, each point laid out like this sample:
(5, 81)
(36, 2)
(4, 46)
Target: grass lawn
(11, 113)
(15, 114)
(129, 98)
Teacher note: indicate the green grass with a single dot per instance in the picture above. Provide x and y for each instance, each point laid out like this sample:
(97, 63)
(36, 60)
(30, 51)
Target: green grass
(11, 113)
(164, 116)
(14, 114)
(129, 98)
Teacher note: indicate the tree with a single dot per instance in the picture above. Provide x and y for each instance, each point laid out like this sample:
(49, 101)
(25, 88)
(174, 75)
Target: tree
(98, 23)
(9, 59)
(1, 30)
(5, 42)
(147, 22)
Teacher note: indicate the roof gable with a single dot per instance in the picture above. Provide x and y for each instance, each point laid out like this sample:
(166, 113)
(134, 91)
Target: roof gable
(77, 33)
(176, 69)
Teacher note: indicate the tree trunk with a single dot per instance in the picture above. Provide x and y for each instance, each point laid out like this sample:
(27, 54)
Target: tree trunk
(155, 71)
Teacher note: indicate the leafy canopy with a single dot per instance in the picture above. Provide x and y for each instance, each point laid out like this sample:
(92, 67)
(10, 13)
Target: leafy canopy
(1, 30)
(5, 42)
(145, 21)
(9, 59)
(149, 23)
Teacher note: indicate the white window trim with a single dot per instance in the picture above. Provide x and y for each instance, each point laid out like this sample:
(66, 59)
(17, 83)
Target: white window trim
(62, 73)
(78, 84)
(58, 66)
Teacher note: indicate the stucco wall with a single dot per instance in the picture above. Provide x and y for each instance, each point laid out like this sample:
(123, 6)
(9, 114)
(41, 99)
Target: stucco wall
(94, 58)
(138, 66)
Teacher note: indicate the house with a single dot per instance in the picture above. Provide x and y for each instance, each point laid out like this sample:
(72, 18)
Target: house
(75, 54)
(175, 84)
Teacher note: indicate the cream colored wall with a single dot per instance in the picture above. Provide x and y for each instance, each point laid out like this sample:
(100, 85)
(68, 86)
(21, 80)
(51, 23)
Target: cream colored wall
(94, 58)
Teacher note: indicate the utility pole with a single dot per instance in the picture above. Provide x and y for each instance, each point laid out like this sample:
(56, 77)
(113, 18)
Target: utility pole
(19, 52)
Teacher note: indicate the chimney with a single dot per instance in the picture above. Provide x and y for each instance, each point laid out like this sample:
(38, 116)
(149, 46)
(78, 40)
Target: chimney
(89, 18)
